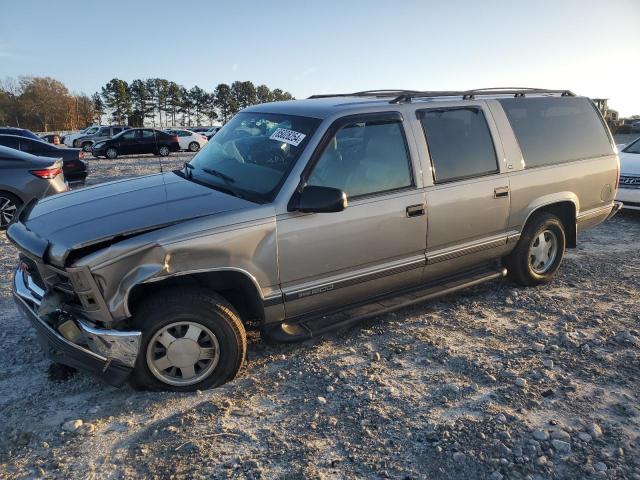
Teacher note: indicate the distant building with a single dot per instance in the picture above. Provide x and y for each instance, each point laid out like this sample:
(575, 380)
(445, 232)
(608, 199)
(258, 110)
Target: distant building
(610, 115)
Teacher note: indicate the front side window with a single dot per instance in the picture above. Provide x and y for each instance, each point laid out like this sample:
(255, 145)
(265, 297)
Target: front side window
(460, 143)
(252, 154)
(365, 158)
(104, 131)
(127, 135)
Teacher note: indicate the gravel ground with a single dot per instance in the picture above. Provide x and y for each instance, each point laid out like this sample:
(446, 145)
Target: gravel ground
(497, 382)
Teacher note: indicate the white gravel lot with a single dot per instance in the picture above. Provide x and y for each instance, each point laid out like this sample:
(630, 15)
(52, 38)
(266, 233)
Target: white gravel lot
(498, 382)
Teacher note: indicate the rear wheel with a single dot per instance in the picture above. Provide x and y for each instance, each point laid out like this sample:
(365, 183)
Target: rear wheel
(192, 339)
(9, 207)
(194, 146)
(163, 151)
(112, 153)
(86, 146)
(539, 251)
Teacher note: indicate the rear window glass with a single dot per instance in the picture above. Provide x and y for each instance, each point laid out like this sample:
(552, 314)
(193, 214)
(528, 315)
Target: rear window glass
(459, 142)
(555, 130)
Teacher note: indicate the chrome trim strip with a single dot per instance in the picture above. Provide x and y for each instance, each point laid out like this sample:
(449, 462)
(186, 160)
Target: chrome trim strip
(594, 212)
(441, 256)
(352, 280)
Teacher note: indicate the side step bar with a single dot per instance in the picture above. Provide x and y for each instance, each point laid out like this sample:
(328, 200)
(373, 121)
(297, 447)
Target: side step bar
(306, 328)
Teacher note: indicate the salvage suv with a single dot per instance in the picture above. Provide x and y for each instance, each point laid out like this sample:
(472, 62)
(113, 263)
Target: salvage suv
(304, 216)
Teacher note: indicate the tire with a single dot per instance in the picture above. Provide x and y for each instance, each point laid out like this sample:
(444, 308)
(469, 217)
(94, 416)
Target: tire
(164, 151)
(9, 209)
(194, 147)
(176, 312)
(538, 254)
(86, 147)
(112, 153)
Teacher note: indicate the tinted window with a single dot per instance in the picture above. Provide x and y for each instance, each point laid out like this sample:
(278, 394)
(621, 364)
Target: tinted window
(33, 146)
(365, 158)
(554, 130)
(633, 148)
(129, 135)
(9, 142)
(459, 142)
(148, 134)
(103, 131)
(117, 130)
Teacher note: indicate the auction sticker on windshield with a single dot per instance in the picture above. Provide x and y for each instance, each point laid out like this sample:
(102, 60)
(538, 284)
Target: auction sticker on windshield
(288, 136)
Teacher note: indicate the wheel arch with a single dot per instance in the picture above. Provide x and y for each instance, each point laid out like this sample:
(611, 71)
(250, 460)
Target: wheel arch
(566, 209)
(236, 286)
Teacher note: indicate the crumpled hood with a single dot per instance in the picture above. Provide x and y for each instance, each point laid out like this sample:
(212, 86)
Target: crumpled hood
(96, 214)
(630, 163)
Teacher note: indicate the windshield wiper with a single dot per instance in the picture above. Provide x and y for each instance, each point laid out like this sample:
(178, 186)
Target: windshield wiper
(218, 174)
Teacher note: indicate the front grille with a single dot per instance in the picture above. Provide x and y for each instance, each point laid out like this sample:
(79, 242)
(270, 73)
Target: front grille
(629, 181)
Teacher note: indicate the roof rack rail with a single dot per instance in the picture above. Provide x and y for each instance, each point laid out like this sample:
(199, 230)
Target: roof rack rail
(405, 96)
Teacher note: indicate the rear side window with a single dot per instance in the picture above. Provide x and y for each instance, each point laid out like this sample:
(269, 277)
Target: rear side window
(365, 158)
(556, 130)
(459, 142)
(117, 130)
(148, 134)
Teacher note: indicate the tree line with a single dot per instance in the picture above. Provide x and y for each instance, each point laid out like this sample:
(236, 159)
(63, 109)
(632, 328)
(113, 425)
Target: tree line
(45, 104)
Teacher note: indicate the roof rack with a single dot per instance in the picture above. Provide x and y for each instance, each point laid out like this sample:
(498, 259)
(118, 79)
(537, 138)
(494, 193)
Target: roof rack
(405, 96)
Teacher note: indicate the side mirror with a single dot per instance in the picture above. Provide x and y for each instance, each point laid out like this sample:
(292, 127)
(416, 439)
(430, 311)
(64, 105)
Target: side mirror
(314, 199)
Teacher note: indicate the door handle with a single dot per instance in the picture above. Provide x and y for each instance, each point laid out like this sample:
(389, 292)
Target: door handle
(500, 192)
(415, 210)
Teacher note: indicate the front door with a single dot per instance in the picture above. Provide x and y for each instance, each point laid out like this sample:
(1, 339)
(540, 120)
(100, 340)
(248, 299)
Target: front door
(374, 246)
(127, 142)
(468, 205)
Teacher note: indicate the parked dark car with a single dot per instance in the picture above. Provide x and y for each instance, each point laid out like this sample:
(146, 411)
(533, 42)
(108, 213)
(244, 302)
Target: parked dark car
(21, 132)
(137, 141)
(24, 177)
(75, 169)
(198, 129)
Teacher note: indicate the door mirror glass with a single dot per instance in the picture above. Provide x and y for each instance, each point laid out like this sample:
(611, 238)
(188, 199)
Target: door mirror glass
(315, 199)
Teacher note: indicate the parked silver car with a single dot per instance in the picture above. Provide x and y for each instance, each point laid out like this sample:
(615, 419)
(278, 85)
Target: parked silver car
(102, 133)
(304, 216)
(24, 178)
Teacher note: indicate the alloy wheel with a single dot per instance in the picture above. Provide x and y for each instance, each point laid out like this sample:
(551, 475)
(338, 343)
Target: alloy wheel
(543, 251)
(8, 210)
(183, 353)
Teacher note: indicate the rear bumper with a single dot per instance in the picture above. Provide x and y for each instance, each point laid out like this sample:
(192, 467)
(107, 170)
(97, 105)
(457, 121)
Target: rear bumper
(616, 208)
(107, 354)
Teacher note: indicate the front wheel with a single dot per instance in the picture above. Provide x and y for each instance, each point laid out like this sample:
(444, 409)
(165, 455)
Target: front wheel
(112, 153)
(164, 151)
(87, 146)
(192, 339)
(539, 252)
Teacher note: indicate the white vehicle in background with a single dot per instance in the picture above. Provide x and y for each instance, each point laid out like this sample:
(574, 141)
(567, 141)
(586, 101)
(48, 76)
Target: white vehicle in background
(187, 139)
(629, 189)
(68, 139)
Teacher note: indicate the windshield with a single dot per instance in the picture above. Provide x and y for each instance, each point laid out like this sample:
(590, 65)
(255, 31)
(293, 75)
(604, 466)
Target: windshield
(633, 147)
(252, 154)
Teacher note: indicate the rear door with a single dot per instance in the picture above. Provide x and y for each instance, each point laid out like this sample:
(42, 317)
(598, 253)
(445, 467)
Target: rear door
(147, 141)
(374, 246)
(468, 204)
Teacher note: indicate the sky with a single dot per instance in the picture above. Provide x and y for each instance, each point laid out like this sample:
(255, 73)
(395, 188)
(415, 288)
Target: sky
(332, 46)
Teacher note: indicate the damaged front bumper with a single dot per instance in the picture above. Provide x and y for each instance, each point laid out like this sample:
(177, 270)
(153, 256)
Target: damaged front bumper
(107, 354)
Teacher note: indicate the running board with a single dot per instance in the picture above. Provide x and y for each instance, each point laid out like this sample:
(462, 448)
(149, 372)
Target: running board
(308, 327)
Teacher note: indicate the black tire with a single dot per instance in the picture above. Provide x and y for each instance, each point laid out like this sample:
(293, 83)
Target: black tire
(9, 209)
(194, 147)
(86, 146)
(164, 151)
(111, 153)
(198, 306)
(522, 264)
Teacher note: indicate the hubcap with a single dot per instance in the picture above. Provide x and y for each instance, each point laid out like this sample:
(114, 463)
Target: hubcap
(543, 251)
(164, 151)
(7, 211)
(183, 353)
(194, 147)
(111, 153)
